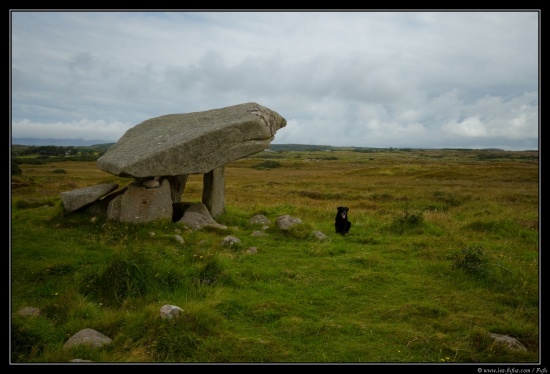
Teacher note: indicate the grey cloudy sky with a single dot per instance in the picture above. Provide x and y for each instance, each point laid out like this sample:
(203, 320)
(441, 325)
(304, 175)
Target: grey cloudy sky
(363, 78)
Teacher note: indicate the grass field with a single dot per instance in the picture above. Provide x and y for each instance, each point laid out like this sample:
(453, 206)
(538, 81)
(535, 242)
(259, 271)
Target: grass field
(443, 251)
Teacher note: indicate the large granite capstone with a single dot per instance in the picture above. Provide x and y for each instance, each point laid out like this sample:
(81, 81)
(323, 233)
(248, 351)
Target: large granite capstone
(192, 143)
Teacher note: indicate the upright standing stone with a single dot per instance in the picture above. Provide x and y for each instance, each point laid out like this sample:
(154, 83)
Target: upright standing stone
(177, 185)
(213, 193)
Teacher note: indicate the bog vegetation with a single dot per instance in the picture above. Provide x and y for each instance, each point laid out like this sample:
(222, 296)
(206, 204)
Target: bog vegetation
(443, 251)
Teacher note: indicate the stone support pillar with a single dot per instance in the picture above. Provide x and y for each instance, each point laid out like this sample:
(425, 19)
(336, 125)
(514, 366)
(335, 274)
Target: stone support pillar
(177, 185)
(213, 193)
(140, 204)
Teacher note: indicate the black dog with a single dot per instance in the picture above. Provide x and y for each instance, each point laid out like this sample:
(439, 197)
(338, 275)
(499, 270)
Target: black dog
(341, 224)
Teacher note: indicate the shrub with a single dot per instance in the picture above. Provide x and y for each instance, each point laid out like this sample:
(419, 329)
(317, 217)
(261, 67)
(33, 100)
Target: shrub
(471, 260)
(15, 169)
(35, 203)
(128, 275)
(268, 164)
(212, 271)
(408, 222)
(26, 341)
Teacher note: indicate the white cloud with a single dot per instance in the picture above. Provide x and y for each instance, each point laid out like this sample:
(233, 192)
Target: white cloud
(410, 79)
(470, 127)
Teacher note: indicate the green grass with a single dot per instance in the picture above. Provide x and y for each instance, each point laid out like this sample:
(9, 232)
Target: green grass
(443, 250)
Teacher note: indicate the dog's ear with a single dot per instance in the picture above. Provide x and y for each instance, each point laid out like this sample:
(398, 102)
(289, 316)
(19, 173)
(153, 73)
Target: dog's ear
(339, 208)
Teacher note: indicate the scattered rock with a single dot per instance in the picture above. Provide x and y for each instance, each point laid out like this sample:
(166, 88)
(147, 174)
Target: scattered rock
(196, 216)
(170, 311)
(87, 337)
(230, 241)
(29, 311)
(512, 343)
(319, 235)
(285, 222)
(260, 219)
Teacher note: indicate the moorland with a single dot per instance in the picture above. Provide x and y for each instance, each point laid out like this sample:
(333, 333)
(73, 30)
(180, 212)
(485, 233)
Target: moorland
(443, 251)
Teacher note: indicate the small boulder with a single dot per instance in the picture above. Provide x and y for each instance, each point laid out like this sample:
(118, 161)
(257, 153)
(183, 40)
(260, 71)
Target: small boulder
(260, 219)
(87, 337)
(170, 311)
(285, 222)
(29, 311)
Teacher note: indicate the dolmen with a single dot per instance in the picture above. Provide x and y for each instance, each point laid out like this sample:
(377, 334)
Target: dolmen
(160, 153)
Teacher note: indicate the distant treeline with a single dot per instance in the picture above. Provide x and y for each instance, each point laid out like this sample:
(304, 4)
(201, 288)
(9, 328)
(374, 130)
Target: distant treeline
(309, 147)
(37, 155)
(54, 150)
(313, 148)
